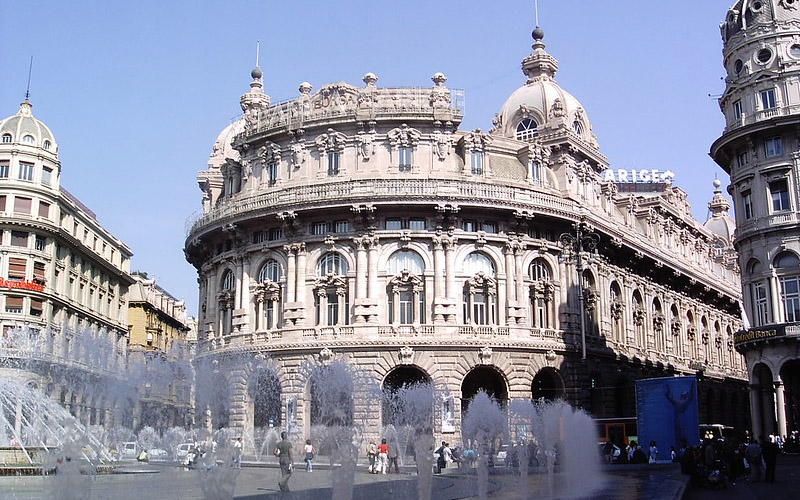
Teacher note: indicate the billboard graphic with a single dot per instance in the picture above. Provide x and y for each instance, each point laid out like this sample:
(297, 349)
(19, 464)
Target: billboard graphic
(667, 413)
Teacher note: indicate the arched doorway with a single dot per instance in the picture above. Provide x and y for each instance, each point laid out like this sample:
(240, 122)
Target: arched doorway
(762, 376)
(397, 386)
(264, 390)
(547, 384)
(790, 374)
(331, 391)
(487, 379)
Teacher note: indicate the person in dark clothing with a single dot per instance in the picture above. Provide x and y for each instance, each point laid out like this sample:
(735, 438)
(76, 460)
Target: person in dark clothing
(639, 456)
(769, 450)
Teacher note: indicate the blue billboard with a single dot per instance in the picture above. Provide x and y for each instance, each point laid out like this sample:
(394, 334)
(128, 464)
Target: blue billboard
(667, 413)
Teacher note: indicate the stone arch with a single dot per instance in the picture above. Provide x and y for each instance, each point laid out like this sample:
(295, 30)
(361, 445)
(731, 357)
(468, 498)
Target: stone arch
(391, 248)
(315, 254)
(548, 384)
(399, 378)
(485, 378)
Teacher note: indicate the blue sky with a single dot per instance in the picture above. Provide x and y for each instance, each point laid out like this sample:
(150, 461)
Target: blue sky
(136, 92)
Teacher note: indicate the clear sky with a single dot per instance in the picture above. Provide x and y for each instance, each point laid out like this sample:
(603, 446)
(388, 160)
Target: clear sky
(136, 92)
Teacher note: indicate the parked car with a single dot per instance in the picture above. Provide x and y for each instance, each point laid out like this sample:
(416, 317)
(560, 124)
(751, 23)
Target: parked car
(182, 450)
(157, 454)
(128, 450)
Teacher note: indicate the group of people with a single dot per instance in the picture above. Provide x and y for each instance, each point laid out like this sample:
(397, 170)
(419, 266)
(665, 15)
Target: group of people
(382, 458)
(718, 461)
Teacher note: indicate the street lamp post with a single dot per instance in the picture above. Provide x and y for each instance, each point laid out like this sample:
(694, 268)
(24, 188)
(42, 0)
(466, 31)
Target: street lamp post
(581, 240)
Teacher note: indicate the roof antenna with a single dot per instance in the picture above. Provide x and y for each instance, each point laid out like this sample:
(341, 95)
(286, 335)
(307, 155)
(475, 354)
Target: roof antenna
(28, 88)
(536, 8)
(258, 50)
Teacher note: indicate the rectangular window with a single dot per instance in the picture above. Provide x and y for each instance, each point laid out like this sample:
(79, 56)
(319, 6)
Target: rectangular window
(275, 234)
(768, 99)
(44, 209)
(320, 228)
(22, 205)
(14, 304)
(747, 204)
(341, 226)
(272, 173)
(259, 236)
(790, 295)
(394, 224)
(416, 224)
(17, 268)
(404, 162)
(536, 172)
(773, 147)
(3, 169)
(36, 307)
(741, 157)
(38, 271)
(761, 316)
(333, 163)
(737, 110)
(468, 225)
(489, 227)
(477, 163)
(25, 171)
(47, 176)
(2, 203)
(779, 192)
(40, 243)
(19, 239)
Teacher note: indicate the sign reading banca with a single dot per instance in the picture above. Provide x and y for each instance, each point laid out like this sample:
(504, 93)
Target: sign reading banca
(633, 175)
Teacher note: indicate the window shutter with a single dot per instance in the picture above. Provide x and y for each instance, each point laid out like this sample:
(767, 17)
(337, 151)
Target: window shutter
(13, 302)
(19, 239)
(22, 205)
(3, 203)
(36, 307)
(44, 209)
(38, 271)
(17, 268)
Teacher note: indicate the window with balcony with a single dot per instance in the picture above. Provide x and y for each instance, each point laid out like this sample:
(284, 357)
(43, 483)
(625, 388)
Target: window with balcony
(404, 159)
(747, 204)
(406, 289)
(787, 267)
(779, 194)
(760, 303)
(4, 169)
(737, 110)
(768, 99)
(541, 294)
(331, 296)
(476, 163)
(272, 173)
(25, 171)
(773, 147)
(333, 163)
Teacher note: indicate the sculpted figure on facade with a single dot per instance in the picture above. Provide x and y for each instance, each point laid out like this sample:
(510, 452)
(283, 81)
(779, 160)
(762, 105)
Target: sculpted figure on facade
(366, 144)
(442, 142)
(557, 109)
(331, 141)
(404, 136)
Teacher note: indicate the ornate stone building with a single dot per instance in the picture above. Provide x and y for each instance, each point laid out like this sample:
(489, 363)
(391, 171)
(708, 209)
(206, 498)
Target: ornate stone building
(160, 355)
(63, 281)
(361, 224)
(759, 149)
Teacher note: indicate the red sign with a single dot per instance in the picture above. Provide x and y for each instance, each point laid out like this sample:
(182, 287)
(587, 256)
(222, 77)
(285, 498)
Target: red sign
(21, 285)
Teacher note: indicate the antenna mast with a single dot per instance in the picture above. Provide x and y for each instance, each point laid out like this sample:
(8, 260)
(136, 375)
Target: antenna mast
(536, 8)
(258, 50)
(28, 88)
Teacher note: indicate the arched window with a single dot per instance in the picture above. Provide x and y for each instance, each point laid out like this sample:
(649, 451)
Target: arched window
(787, 267)
(271, 271)
(332, 263)
(406, 260)
(675, 330)
(477, 262)
(227, 281)
(617, 307)
(577, 127)
(6, 138)
(526, 129)
(46, 144)
(658, 326)
(691, 334)
(28, 139)
(541, 294)
(225, 298)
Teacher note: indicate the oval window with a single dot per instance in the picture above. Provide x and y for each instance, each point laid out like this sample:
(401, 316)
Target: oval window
(764, 55)
(738, 66)
(794, 50)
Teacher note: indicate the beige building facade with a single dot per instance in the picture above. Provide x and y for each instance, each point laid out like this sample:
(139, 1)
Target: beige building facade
(63, 281)
(759, 149)
(360, 224)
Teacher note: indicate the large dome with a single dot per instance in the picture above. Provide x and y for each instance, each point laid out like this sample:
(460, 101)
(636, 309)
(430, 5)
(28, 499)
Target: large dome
(223, 145)
(541, 105)
(23, 128)
(747, 13)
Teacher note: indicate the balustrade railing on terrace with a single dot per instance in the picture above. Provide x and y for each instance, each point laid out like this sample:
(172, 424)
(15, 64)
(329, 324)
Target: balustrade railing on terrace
(361, 189)
(748, 118)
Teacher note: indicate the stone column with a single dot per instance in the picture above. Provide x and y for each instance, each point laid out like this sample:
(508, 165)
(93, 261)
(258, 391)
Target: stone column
(361, 268)
(322, 298)
(450, 268)
(372, 269)
(775, 298)
(245, 302)
(780, 408)
(510, 289)
(755, 410)
(291, 272)
(518, 275)
(212, 307)
(237, 297)
(439, 291)
(300, 289)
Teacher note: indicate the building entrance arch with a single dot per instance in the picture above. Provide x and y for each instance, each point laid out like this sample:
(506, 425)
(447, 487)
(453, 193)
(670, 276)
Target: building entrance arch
(397, 386)
(547, 384)
(487, 379)
(264, 390)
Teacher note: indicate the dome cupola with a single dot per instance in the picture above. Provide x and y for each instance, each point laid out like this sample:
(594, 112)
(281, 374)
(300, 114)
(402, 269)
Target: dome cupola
(26, 130)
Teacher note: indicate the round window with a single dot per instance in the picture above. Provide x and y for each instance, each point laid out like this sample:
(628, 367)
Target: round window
(738, 66)
(756, 6)
(794, 50)
(764, 55)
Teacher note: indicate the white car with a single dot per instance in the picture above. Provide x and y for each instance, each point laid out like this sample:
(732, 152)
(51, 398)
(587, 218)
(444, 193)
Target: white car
(182, 450)
(157, 454)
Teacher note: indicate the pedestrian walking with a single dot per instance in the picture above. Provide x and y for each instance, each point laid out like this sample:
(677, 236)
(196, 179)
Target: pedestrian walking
(394, 453)
(237, 453)
(753, 455)
(308, 449)
(383, 456)
(769, 450)
(372, 455)
(283, 450)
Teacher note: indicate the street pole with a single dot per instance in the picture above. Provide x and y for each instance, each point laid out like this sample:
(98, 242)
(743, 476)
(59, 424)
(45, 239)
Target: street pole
(584, 240)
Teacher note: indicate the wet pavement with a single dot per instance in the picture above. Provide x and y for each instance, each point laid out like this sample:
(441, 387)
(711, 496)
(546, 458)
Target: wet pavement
(785, 487)
(168, 482)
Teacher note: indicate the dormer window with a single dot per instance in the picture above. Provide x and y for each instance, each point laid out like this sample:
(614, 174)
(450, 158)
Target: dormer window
(526, 129)
(477, 163)
(46, 145)
(28, 139)
(6, 138)
(577, 128)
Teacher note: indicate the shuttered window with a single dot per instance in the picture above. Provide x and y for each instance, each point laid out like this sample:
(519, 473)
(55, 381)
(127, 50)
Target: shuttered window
(36, 307)
(19, 239)
(22, 205)
(16, 268)
(44, 209)
(13, 304)
(3, 203)
(38, 271)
